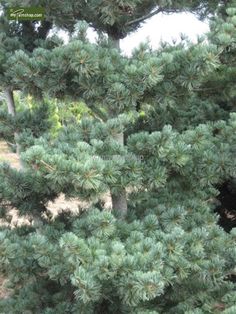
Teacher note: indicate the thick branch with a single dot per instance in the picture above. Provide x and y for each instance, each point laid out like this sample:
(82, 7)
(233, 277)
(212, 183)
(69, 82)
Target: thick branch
(145, 17)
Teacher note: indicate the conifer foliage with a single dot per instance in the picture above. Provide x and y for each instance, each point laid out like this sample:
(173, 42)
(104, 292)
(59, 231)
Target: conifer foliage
(157, 139)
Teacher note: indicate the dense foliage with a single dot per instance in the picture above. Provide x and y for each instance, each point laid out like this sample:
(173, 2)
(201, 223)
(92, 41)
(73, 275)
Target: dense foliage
(159, 135)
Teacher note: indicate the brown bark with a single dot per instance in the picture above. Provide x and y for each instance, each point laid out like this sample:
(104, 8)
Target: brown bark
(119, 199)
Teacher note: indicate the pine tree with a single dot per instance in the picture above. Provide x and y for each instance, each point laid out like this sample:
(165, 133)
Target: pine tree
(26, 35)
(160, 249)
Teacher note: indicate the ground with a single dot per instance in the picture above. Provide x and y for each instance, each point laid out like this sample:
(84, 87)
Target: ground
(6, 155)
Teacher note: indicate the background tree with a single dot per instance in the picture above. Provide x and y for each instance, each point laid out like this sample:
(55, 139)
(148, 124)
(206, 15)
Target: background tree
(14, 35)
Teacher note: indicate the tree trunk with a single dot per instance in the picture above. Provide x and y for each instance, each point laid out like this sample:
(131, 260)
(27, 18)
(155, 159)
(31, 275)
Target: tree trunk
(12, 111)
(10, 102)
(119, 199)
(119, 202)
(115, 42)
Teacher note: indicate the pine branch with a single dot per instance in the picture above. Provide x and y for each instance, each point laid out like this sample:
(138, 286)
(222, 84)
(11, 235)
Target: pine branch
(145, 17)
(47, 165)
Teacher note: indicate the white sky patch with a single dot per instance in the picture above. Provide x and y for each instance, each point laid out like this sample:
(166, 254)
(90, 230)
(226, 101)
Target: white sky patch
(164, 27)
(159, 28)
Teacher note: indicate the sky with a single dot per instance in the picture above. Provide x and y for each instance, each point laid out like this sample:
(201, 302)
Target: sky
(160, 27)
(164, 27)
